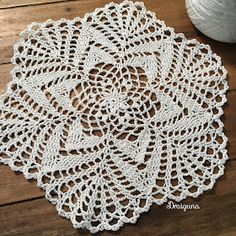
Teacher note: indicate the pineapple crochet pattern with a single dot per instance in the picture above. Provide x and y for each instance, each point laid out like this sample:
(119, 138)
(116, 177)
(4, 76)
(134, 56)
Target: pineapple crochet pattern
(113, 112)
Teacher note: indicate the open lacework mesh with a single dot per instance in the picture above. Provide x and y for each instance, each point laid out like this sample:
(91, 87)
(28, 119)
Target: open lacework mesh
(113, 112)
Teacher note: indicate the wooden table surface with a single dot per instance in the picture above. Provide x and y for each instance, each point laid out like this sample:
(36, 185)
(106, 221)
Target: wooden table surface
(23, 208)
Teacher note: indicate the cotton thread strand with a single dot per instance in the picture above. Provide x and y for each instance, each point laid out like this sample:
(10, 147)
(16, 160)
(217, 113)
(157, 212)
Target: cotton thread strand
(214, 18)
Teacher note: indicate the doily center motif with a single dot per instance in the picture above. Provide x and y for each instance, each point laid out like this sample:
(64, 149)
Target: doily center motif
(112, 113)
(115, 100)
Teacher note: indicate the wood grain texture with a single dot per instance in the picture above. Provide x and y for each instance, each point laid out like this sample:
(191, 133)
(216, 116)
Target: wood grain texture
(19, 3)
(23, 209)
(15, 188)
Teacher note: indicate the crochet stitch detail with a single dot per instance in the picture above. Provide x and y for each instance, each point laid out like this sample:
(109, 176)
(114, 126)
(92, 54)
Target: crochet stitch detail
(112, 113)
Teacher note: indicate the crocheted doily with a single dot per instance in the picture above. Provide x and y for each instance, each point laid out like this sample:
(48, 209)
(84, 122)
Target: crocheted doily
(113, 112)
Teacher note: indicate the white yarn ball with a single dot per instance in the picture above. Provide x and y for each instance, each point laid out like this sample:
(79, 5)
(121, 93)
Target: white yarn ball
(214, 18)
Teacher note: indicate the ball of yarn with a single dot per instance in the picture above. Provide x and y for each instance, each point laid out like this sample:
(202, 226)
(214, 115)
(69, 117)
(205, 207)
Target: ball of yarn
(214, 18)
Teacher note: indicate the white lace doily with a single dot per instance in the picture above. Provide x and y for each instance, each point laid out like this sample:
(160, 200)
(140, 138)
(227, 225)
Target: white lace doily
(113, 112)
